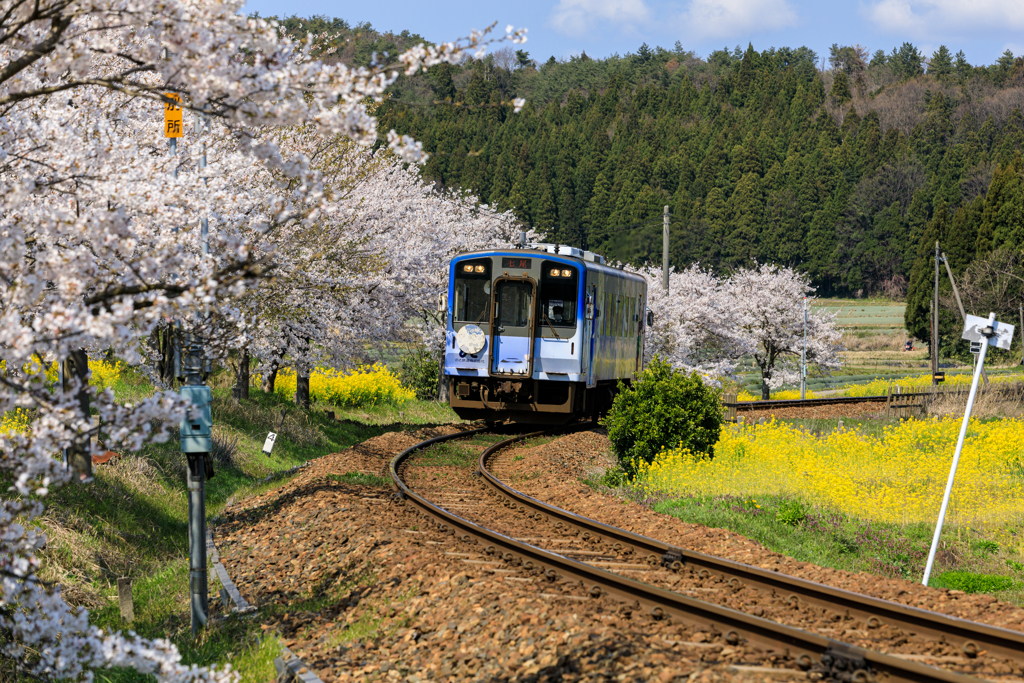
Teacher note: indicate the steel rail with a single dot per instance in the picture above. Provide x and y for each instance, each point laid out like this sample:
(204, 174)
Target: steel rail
(806, 403)
(830, 657)
(971, 637)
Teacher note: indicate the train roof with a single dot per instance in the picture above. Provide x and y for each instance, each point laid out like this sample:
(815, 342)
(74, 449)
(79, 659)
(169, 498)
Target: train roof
(557, 252)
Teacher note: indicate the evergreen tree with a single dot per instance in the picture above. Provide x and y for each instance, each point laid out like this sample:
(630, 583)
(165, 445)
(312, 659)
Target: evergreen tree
(962, 66)
(1002, 220)
(906, 61)
(962, 236)
(840, 91)
(598, 211)
(745, 217)
(941, 64)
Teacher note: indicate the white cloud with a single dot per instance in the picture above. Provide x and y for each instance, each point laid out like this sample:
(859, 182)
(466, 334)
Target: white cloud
(921, 18)
(734, 18)
(579, 17)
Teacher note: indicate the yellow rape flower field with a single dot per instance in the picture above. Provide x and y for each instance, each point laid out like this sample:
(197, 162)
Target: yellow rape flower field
(880, 386)
(898, 477)
(104, 375)
(366, 386)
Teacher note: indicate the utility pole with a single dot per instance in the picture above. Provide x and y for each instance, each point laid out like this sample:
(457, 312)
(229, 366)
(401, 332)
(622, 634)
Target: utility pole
(960, 304)
(935, 322)
(803, 358)
(664, 246)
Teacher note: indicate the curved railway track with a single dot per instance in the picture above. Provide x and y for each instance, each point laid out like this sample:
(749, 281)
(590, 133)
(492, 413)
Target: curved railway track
(512, 529)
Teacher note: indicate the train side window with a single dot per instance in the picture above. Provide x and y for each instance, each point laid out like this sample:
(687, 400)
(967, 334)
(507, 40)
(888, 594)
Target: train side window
(617, 332)
(606, 314)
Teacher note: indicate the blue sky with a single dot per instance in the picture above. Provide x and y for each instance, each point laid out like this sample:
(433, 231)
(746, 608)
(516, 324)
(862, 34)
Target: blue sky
(983, 29)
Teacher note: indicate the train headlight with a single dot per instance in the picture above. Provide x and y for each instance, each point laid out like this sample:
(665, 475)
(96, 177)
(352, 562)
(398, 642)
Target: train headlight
(566, 273)
(480, 268)
(555, 272)
(468, 268)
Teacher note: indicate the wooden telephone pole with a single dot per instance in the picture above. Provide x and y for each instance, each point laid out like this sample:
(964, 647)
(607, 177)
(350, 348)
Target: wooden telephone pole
(935, 322)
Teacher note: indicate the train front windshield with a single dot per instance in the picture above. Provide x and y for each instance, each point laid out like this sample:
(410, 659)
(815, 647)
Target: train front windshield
(472, 291)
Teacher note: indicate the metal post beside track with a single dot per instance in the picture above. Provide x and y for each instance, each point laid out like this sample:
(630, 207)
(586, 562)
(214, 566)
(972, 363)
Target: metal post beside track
(988, 333)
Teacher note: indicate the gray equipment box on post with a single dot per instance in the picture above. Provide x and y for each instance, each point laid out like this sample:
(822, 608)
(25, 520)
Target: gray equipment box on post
(196, 429)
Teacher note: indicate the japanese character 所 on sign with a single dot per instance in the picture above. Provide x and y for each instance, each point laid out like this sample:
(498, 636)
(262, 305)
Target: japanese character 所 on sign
(172, 117)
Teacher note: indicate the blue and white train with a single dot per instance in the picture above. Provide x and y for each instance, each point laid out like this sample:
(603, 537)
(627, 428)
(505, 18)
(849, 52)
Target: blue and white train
(541, 334)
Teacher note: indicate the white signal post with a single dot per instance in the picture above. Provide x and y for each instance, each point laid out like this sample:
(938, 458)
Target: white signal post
(989, 333)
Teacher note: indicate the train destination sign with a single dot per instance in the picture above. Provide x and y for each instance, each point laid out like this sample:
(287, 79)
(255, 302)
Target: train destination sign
(515, 262)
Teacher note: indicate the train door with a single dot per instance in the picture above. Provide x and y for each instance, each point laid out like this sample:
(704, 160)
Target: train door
(590, 333)
(512, 328)
(588, 326)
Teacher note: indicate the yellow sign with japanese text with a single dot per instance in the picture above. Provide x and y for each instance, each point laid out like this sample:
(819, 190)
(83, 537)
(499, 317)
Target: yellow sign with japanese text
(173, 121)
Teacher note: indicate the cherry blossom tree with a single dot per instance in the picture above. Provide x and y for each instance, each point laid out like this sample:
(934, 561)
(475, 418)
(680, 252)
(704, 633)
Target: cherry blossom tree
(708, 324)
(694, 323)
(99, 238)
(768, 302)
(398, 235)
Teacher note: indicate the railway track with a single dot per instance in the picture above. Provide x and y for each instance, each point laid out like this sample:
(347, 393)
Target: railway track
(517, 533)
(805, 403)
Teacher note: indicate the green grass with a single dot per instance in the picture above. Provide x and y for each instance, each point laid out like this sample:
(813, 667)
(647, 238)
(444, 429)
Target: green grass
(810, 533)
(132, 520)
(970, 582)
(447, 454)
(411, 413)
(361, 479)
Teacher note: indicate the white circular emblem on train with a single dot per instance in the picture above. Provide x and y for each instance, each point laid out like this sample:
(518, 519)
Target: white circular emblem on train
(470, 339)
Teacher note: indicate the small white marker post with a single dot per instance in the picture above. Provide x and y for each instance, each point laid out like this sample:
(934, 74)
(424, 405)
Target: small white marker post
(268, 445)
(989, 333)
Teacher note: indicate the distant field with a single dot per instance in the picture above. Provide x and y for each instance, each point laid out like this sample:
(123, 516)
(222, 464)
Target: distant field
(854, 314)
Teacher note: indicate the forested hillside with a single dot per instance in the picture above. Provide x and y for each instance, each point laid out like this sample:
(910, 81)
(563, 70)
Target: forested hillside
(848, 168)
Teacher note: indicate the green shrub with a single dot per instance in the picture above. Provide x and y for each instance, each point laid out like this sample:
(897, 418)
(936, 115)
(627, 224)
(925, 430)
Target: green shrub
(985, 547)
(664, 408)
(969, 582)
(791, 512)
(613, 478)
(419, 372)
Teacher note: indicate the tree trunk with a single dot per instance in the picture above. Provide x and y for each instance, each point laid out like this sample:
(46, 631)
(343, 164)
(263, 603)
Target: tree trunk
(241, 389)
(270, 378)
(302, 389)
(79, 454)
(765, 392)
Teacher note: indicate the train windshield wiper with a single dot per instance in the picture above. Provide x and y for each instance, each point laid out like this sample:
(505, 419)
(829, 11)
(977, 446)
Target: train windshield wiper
(550, 326)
